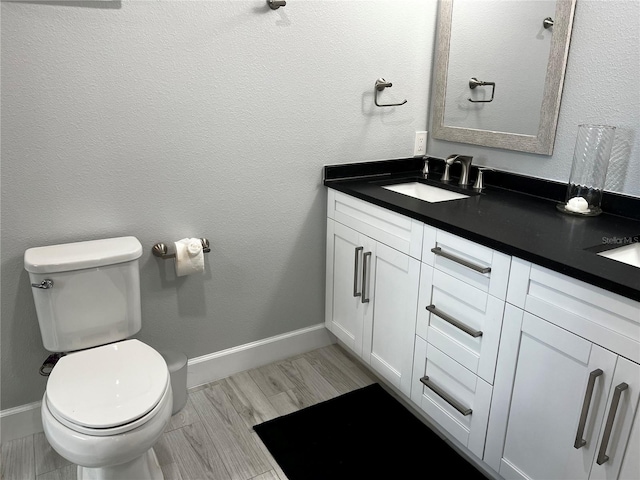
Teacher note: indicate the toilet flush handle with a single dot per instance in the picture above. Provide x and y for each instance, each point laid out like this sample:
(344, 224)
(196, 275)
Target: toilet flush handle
(43, 284)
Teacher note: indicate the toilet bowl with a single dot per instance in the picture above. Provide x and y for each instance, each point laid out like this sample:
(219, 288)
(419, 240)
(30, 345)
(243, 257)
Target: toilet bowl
(105, 407)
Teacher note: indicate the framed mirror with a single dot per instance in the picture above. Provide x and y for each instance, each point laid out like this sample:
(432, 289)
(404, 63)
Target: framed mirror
(500, 68)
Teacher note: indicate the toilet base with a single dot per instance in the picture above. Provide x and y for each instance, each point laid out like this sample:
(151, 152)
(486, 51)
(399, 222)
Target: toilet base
(144, 467)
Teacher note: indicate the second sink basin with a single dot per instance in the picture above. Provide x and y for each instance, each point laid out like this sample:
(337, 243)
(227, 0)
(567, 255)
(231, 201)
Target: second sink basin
(424, 192)
(629, 254)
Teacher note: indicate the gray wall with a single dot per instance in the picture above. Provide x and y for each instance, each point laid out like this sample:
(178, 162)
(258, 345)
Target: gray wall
(601, 86)
(169, 119)
(172, 119)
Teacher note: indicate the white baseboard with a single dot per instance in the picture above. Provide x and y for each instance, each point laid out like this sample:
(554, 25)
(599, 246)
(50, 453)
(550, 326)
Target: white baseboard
(215, 366)
(24, 420)
(21, 421)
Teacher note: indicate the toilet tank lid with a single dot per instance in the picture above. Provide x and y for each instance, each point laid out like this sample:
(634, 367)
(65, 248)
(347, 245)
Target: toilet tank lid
(78, 255)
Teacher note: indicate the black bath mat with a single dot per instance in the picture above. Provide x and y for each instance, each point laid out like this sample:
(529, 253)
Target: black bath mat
(363, 434)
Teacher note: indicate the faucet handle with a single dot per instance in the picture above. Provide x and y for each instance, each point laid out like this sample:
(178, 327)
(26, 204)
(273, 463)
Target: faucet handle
(425, 168)
(479, 183)
(445, 176)
(450, 159)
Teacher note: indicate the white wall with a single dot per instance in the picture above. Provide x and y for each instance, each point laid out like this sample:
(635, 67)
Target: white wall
(601, 86)
(167, 119)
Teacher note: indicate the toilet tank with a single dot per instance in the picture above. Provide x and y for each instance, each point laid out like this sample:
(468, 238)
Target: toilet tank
(90, 294)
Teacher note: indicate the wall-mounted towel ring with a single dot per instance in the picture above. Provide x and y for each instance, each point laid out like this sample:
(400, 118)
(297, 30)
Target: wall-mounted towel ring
(161, 250)
(380, 85)
(474, 82)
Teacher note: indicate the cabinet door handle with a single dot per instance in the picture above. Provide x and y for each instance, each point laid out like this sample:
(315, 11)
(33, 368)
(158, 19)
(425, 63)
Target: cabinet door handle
(461, 261)
(456, 323)
(602, 453)
(355, 272)
(581, 442)
(364, 277)
(445, 396)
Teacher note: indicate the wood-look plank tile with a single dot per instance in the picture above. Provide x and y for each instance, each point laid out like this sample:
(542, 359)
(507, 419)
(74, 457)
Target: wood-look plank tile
(194, 453)
(338, 370)
(267, 454)
(239, 452)
(171, 472)
(202, 387)
(18, 459)
(346, 357)
(290, 401)
(247, 399)
(270, 475)
(184, 417)
(359, 373)
(271, 379)
(337, 378)
(305, 377)
(69, 472)
(47, 459)
(163, 451)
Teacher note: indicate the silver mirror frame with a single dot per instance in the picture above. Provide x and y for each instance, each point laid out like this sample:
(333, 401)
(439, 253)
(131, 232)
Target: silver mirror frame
(543, 142)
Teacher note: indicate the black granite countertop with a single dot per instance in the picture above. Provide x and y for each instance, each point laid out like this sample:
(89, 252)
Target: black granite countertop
(524, 225)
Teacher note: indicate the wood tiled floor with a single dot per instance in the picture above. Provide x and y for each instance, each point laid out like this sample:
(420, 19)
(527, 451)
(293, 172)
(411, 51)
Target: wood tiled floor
(212, 436)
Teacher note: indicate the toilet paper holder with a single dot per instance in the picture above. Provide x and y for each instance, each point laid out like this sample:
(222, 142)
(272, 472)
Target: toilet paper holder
(161, 250)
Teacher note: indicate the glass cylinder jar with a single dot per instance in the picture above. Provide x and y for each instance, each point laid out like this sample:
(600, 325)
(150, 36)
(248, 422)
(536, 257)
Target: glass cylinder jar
(589, 170)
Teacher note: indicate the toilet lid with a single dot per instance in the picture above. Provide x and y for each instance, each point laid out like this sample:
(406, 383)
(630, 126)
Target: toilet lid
(107, 386)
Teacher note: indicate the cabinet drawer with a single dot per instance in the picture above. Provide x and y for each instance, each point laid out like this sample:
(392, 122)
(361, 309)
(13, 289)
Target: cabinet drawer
(605, 318)
(477, 265)
(453, 390)
(397, 231)
(462, 321)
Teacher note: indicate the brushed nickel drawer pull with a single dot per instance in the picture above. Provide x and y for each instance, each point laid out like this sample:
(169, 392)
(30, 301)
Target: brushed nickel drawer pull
(456, 323)
(445, 396)
(461, 261)
(364, 277)
(355, 272)
(602, 453)
(581, 442)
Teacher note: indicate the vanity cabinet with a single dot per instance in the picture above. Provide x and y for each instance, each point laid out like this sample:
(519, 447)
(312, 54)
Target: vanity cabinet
(372, 284)
(565, 402)
(462, 290)
(535, 372)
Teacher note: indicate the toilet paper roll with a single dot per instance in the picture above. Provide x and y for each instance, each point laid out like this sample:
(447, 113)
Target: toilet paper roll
(189, 256)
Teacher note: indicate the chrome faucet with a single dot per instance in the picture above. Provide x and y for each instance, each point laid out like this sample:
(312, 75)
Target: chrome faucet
(465, 163)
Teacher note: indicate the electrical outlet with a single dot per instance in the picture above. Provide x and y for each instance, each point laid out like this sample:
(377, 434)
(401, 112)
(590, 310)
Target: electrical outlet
(420, 144)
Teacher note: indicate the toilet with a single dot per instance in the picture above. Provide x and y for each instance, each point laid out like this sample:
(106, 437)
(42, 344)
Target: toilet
(108, 399)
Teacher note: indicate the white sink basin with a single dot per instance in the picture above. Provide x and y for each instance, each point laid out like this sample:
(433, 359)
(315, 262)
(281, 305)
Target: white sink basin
(424, 192)
(626, 254)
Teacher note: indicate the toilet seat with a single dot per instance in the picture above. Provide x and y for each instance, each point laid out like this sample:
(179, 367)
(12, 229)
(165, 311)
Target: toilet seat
(108, 389)
(113, 431)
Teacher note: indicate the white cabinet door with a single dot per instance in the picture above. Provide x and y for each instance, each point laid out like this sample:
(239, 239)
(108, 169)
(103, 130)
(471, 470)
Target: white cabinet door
(618, 439)
(543, 388)
(630, 468)
(390, 285)
(344, 310)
